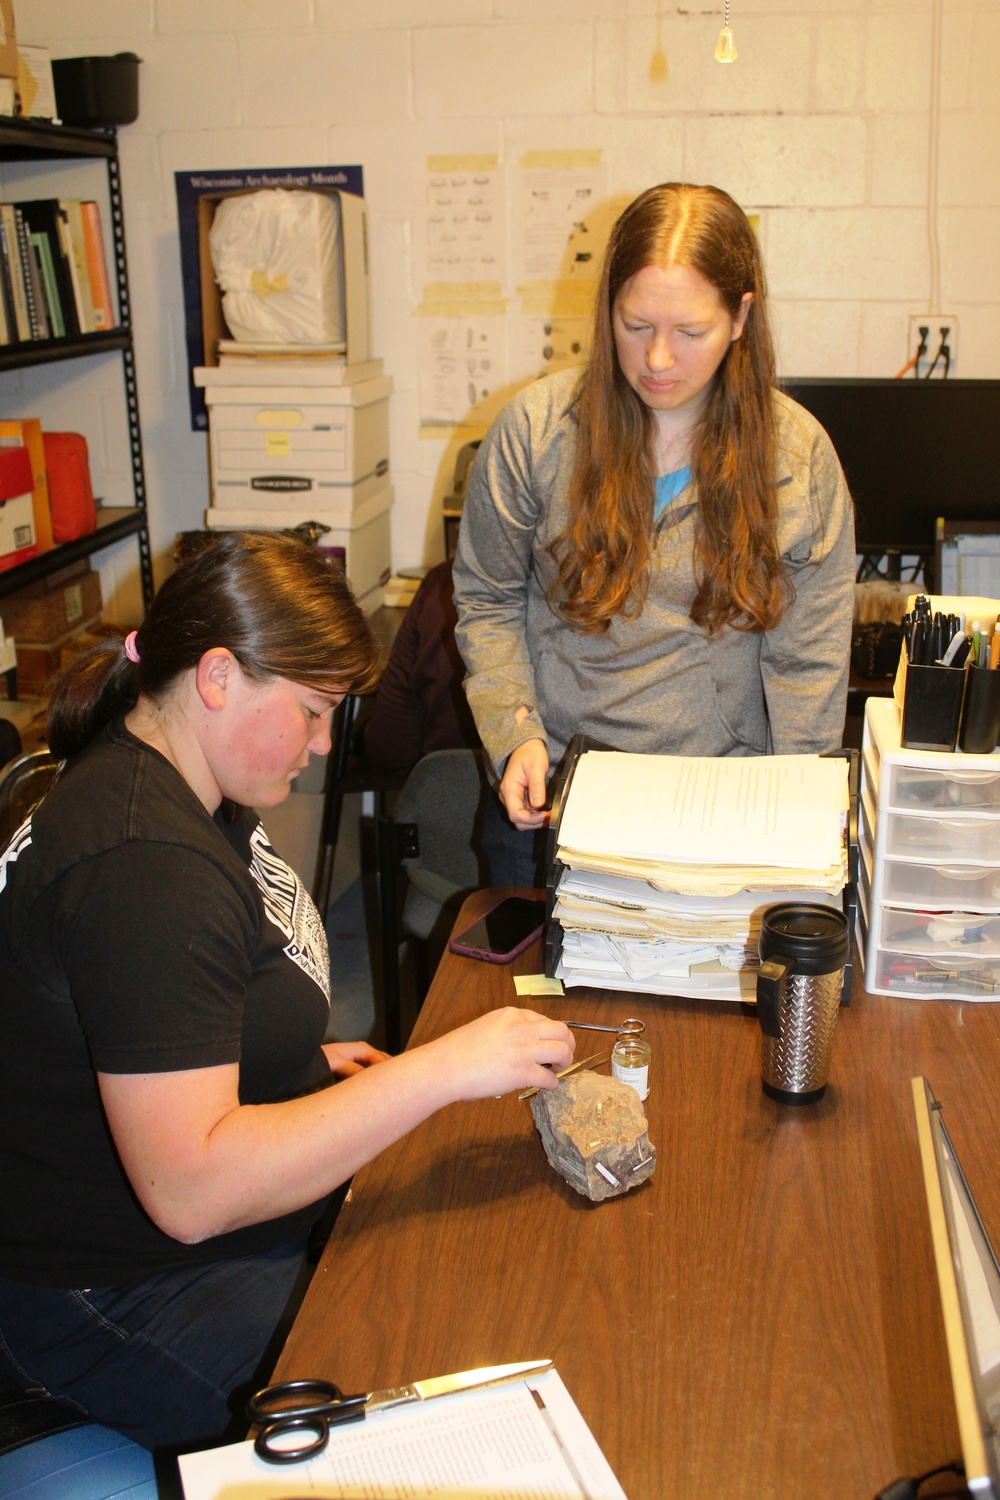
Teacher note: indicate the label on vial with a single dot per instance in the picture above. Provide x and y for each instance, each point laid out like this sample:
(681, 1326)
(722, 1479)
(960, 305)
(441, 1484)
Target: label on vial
(636, 1078)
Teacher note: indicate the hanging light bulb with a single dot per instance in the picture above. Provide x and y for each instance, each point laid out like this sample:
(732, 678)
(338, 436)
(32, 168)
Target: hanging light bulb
(725, 47)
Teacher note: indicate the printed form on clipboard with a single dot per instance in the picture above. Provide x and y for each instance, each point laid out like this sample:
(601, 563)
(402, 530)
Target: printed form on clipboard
(526, 1439)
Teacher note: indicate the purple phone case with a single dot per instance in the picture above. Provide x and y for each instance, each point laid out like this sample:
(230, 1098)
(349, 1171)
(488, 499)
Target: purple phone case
(455, 944)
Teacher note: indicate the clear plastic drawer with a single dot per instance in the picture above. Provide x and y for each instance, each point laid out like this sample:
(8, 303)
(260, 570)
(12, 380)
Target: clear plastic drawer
(949, 887)
(935, 978)
(966, 939)
(946, 791)
(948, 839)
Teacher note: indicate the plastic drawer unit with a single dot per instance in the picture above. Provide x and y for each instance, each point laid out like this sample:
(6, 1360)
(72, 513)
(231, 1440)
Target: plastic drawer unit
(930, 866)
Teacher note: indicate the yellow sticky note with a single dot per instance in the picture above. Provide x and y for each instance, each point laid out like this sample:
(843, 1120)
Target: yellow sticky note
(277, 444)
(537, 984)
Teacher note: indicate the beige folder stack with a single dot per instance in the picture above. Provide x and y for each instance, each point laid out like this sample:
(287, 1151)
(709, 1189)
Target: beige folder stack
(669, 861)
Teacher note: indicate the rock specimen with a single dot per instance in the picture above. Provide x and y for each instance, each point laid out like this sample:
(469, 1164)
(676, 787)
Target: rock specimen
(594, 1133)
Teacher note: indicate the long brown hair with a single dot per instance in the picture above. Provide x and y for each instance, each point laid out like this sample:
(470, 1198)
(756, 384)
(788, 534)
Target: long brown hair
(273, 601)
(605, 554)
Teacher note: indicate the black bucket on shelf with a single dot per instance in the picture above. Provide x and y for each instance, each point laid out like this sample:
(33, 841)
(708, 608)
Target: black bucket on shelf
(96, 91)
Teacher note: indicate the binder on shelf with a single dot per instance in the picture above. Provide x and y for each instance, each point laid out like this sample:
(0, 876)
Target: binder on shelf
(11, 256)
(653, 927)
(17, 526)
(27, 433)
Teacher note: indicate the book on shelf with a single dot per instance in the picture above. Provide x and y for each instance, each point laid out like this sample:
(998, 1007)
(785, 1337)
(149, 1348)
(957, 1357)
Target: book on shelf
(97, 266)
(37, 316)
(42, 216)
(54, 280)
(40, 245)
(78, 250)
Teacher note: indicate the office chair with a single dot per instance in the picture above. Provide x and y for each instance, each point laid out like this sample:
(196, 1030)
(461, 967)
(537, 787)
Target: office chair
(346, 772)
(434, 832)
(83, 1462)
(23, 783)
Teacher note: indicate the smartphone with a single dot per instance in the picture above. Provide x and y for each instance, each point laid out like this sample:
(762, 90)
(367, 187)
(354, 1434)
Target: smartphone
(503, 932)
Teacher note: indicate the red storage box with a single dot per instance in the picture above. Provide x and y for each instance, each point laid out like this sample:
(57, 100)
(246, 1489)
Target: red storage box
(17, 513)
(71, 495)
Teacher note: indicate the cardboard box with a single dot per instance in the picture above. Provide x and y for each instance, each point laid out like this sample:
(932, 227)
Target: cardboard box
(28, 434)
(354, 277)
(8, 40)
(363, 535)
(37, 664)
(275, 445)
(17, 522)
(40, 614)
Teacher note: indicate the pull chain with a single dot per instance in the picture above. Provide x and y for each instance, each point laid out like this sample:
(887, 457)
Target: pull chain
(725, 47)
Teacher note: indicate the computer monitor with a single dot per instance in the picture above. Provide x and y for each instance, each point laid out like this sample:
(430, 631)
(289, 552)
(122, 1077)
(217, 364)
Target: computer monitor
(912, 450)
(969, 1280)
(968, 557)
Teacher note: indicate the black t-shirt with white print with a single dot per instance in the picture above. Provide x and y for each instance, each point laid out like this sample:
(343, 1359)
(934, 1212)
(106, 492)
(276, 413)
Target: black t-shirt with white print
(139, 935)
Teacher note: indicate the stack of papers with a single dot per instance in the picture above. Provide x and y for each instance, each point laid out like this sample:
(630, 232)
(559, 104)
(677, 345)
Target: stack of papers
(670, 862)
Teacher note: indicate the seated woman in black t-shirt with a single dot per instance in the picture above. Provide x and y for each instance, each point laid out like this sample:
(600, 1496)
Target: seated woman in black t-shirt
(168, 1135)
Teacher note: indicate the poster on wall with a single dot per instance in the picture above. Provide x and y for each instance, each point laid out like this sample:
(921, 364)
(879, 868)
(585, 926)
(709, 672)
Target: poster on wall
(197, 195)
(461, 223)
(557, 229)
(462, 366)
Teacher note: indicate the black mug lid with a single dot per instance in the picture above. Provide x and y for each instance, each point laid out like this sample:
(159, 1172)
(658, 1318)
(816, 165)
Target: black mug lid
(813, 939)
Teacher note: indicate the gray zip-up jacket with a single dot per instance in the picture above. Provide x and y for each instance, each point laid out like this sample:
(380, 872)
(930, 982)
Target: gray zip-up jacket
(655, 684)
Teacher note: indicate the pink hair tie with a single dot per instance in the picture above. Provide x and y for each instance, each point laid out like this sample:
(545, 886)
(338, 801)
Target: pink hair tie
(130, 648)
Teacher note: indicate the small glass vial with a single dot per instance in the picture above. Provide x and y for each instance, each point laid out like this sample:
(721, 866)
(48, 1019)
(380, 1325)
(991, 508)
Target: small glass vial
(631, 1056)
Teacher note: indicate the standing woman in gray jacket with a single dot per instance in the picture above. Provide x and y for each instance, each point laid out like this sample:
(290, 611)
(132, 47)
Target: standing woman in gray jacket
(658, 552)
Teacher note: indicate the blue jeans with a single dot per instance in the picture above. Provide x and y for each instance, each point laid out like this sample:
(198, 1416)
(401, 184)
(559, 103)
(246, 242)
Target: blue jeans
(169, 1361)
(514, 857)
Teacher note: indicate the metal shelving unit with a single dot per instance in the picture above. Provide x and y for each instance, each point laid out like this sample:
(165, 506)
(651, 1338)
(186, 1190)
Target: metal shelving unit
(33, 140)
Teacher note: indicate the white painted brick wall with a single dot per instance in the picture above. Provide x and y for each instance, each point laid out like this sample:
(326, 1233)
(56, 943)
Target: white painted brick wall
(821, 127)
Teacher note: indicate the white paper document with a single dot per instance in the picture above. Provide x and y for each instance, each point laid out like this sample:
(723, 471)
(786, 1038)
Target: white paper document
(526, 1439)
(778, 810)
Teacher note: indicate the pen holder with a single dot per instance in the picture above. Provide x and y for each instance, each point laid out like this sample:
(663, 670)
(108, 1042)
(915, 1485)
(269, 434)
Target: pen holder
(981, 712)
(932, 707)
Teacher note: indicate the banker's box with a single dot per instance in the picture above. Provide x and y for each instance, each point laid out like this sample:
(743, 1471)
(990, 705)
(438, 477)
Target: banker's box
(276, 446)
(362, 534)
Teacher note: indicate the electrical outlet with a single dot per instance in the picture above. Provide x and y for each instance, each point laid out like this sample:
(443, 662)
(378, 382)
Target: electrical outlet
(934, 323)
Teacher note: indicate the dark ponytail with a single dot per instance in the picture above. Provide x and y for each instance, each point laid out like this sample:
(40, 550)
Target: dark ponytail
(92, 691)
(272, 600)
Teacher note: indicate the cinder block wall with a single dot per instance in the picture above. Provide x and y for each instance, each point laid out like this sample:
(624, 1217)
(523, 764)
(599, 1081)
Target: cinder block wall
(822, 125)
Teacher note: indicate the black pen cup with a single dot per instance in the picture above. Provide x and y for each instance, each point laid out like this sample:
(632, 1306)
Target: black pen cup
(932, 707)
(981, 712)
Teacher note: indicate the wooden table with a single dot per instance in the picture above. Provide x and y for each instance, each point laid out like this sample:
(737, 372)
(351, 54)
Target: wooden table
(760, 1319)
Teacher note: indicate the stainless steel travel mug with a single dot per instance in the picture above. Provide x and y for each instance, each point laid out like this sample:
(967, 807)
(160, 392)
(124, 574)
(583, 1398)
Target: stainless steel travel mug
(803, 949)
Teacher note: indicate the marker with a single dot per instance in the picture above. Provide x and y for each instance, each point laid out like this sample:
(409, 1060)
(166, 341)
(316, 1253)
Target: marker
(975, 633)
(954, 646)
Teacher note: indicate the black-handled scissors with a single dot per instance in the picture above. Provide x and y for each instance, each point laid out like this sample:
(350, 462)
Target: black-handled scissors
(306, 1406)
(314, 1406)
